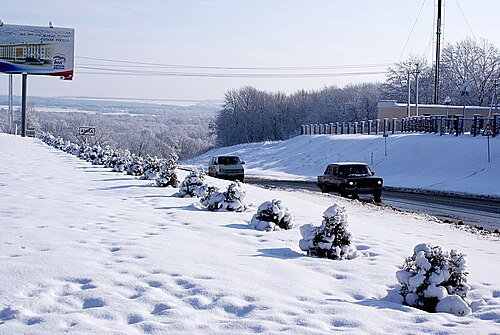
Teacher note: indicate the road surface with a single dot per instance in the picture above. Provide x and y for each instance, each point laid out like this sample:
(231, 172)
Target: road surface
(472, 212)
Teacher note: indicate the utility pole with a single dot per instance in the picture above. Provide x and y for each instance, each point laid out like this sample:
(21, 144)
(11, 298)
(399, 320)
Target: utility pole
(438, 51)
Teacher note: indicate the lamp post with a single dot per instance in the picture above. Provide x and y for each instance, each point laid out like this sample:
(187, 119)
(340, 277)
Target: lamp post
(417, 71)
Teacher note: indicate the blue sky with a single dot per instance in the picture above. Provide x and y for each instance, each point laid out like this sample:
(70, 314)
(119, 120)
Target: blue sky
(251, 33)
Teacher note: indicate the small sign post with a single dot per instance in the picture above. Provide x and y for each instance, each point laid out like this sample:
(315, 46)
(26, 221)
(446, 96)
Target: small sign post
(487, 131)
(86, 131)
(385, 143)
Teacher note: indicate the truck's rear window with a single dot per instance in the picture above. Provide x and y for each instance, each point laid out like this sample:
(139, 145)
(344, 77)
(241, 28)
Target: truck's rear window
(354, 170)
(228, 160)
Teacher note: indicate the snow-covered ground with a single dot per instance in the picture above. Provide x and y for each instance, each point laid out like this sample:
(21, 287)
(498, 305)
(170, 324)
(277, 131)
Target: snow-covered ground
(84, 250)
(418, 161)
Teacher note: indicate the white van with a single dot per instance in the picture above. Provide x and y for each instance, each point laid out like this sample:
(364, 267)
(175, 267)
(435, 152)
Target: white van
(226, 167)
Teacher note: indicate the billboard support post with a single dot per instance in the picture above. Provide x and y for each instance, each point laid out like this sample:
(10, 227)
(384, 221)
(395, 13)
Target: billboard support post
(23, 106)
(10, 104)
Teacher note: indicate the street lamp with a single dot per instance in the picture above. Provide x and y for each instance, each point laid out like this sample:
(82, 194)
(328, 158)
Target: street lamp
(416, 72)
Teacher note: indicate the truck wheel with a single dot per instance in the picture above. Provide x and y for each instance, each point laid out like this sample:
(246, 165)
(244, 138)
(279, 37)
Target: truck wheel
(323, 188)
(343, 193)
(377, 196)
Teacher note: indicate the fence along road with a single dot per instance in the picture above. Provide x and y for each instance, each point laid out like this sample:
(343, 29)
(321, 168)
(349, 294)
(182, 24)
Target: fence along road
(471, 211)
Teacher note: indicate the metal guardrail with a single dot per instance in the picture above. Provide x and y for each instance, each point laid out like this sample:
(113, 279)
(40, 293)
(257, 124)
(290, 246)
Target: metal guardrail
(438, 124)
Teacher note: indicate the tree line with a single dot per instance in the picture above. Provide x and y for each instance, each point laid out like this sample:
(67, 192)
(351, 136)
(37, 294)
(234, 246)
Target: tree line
(250, 115)
(469, 71)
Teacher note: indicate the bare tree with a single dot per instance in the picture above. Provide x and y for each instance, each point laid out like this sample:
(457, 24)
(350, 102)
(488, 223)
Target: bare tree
(476, 63)
(396, 84)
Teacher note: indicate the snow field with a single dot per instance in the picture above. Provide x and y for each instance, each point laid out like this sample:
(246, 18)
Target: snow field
(85, 250)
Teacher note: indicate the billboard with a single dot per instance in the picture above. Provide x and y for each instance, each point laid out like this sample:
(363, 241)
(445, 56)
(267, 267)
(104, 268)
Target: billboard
(37, 50)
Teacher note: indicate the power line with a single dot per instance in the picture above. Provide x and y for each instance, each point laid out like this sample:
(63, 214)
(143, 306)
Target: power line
(267, 68)
(108, 66)
(303, 68)
(465, 19)
(123, 72)
(411, 32)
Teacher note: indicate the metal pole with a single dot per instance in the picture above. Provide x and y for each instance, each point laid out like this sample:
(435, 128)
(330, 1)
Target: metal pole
(409, 92)
(489, 160)
(10, 104)
(438, 51)
(416, 98)
(385, 145)
(23, 108)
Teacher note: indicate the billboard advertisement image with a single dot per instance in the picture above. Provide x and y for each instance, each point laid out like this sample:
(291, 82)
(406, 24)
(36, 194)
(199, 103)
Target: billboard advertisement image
(37, 50)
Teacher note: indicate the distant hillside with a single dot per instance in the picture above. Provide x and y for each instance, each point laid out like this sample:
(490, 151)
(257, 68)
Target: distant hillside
(110, 105)
(145, 128)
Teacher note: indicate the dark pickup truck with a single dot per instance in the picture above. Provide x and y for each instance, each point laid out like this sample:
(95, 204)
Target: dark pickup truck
(349, 178)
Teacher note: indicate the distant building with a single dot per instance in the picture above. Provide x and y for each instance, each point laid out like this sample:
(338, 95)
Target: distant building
(391, 109)
(26, 52)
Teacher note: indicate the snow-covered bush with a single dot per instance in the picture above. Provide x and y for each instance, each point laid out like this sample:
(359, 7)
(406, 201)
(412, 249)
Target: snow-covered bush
(272, 215)
(194, 185)
(168, 173)
(136, 167)
(46, 138)
(59, 143)
(90, 153)
(151, 167)
(101, 155)
(435, 281)
(332, 239)
(56, 142)
(213, 200)
(233, 199)
(72, 148)
(122, 162)
(83, 150)
(112, 159)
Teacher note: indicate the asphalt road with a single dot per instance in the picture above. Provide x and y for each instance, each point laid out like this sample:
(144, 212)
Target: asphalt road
(470, 211)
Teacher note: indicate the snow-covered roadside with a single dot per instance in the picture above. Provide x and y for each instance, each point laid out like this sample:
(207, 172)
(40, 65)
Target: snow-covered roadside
(414, 161)
(87, 250)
